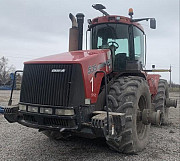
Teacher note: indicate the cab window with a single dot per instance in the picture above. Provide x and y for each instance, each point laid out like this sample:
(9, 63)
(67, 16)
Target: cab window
(104, 35)
(138, 44)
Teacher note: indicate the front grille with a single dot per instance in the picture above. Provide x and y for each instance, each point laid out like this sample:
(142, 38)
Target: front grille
(55, 121)
(29, 118)
(59, 122)
(49, 121)
(42, 86)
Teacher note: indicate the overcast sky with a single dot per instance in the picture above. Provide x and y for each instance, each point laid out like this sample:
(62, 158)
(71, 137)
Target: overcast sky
(35, 28)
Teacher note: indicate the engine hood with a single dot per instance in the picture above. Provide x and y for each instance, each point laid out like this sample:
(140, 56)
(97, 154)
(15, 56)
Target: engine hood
(69, 57)
(90, 61)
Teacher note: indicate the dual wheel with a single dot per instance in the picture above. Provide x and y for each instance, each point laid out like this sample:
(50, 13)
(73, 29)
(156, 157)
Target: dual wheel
(160, 100)
(130, 95)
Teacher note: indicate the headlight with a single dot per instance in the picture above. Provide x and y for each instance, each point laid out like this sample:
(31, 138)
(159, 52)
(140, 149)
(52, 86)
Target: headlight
(46, 110)
(22, 107)
(87, 101)
(67, 112)
(32, 109)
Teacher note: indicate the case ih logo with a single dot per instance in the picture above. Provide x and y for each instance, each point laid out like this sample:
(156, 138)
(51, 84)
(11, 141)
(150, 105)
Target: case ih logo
(58, 70)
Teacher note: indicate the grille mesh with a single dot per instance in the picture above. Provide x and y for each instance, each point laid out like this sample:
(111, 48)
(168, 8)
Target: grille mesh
(55, 122)
(42, 86)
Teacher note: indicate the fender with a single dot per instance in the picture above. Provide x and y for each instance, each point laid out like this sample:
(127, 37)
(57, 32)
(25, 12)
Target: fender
(153, 81)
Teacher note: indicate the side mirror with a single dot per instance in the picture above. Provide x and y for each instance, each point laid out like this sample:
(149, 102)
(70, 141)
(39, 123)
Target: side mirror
(152, 23)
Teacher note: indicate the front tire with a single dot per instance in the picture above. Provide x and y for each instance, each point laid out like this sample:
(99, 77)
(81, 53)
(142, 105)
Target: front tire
(130, 95)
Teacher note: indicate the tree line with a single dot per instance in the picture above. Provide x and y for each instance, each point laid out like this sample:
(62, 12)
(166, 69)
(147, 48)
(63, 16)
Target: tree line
(5, 71)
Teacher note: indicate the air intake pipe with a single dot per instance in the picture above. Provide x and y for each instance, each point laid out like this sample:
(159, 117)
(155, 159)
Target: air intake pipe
(80, 21)
(73, 34)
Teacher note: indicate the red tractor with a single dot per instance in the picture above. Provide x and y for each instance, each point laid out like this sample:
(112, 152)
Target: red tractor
(101, 92)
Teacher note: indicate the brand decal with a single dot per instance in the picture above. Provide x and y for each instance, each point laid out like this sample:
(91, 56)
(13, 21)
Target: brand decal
(58, 70)
(92, 69)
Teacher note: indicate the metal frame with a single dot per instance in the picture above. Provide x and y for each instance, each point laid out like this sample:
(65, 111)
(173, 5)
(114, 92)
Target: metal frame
(10, 99)
(106, 96)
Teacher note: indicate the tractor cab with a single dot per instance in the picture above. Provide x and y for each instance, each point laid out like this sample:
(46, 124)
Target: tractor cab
(126, 41)
(123, 36)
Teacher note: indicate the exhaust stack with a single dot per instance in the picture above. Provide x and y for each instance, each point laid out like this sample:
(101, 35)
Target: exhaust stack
(80, 21)
(73, 34)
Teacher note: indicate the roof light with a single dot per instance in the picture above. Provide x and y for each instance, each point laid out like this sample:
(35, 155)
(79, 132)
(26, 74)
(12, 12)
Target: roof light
(131, 12)
(118, 18)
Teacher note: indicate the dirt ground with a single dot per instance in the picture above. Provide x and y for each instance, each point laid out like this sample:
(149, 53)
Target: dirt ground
(21, 143)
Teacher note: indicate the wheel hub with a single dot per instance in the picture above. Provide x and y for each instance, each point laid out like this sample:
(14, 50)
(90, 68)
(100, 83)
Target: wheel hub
(149, 116)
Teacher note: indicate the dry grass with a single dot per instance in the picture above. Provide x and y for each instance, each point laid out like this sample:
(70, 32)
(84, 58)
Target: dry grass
(174, 89)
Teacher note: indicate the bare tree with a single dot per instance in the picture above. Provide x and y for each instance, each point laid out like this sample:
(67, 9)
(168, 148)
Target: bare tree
(5, 71)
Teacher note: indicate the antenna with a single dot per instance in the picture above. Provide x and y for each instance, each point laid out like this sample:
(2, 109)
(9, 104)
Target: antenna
(100, 8)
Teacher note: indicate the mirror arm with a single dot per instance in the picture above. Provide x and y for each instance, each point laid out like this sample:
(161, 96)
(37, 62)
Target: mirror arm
(141, 19)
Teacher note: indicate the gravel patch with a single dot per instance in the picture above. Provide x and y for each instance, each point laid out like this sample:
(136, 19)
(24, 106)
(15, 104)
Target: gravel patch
(19, 143)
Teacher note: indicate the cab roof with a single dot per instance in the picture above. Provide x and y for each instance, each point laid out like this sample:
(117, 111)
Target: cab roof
(115, 19)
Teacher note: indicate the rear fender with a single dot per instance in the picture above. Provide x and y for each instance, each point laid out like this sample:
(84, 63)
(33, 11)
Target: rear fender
(153, 81)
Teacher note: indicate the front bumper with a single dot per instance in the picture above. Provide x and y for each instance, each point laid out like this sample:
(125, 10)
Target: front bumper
(50, 121)
(84, 121)
(44, 121)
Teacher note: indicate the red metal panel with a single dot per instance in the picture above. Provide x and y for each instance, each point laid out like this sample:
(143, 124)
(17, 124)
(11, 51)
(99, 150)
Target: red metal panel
(153, 81)
(90, 60)
(113, 19)
(69, 57)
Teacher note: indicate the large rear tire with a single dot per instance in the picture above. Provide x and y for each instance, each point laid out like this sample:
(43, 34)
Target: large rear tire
(160, 100)
(130, 95)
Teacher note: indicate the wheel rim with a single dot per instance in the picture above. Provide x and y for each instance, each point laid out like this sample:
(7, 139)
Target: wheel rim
(141, 128)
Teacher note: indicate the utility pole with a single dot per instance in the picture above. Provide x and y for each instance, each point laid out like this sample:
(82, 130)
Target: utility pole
(170, 75)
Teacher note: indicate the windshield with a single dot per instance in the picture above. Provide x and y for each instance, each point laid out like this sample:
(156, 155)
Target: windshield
(105, 35)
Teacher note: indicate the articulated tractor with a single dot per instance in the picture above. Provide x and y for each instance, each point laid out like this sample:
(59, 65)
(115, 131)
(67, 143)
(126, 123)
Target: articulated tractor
(101, 92)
